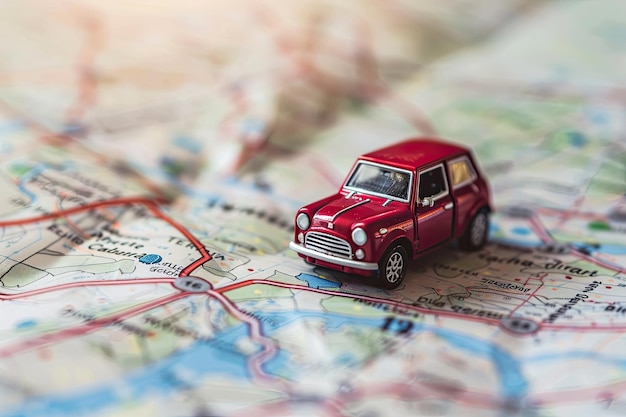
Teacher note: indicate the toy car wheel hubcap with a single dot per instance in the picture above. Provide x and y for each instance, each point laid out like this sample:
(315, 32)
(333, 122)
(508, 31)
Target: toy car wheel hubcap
(478, 229)
(393, 269)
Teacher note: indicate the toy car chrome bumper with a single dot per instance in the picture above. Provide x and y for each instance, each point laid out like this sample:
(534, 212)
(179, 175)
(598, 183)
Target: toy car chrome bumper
(368, 266)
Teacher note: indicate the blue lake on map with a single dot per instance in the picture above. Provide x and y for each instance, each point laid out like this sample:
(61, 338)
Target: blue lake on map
(317, 282)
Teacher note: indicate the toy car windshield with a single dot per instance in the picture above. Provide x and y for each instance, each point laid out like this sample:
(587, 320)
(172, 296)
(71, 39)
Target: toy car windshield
(380, 180)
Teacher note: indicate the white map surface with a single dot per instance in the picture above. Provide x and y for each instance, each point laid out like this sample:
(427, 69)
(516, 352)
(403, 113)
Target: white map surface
(151, 161)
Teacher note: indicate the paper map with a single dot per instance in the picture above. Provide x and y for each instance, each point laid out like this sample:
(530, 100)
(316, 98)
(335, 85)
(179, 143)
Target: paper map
(152, 157)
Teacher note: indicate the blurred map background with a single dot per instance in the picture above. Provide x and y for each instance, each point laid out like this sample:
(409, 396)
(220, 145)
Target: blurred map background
(153, 154)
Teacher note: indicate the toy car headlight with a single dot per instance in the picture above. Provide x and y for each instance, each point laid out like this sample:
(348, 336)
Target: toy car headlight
(303, 221)
(359, 236)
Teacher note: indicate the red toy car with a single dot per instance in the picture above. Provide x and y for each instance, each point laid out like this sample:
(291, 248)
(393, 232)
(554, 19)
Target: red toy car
(397, 203)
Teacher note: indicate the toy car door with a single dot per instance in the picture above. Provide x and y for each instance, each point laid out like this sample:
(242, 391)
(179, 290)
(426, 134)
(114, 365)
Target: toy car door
(462, 182)
(434, 207)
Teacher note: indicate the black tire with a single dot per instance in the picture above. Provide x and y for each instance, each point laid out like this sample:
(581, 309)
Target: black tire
(392, 267)
(475, 235)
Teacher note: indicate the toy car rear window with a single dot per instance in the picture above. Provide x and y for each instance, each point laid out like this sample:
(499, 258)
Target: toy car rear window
(461, 171)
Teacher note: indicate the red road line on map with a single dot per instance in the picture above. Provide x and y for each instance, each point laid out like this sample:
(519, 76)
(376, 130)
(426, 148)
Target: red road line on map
(598, 262)
(368, 86)
(87, 284)
(71, 223)
(585, 327)
(87, 85)
(531, 295)
(154, 209)
(150, 204)
(256, 334)
(467, 397)
(269, 348)
(425, 311)
(425, 390)
(596, 394)
(122, 201)
(548, 211)
(546, 238)
(136, 281)
(87, 327)
(540, 230)
(568, 214)
(397, 304)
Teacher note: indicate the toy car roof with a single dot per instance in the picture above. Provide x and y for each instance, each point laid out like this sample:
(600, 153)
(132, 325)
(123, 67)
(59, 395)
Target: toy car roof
(415, 153)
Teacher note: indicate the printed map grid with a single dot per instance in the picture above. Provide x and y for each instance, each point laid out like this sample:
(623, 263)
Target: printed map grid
(145, 267)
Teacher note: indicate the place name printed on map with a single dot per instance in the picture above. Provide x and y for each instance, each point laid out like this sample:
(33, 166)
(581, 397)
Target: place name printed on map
(455, 269)
(167, 325)
(426, 302)
(554, 265)
(505, 285)
(127, 327)
(119, 244)
(572, 302)
(167, 268)
(273, 219)
(91, 183)
(615, 309)
(68, 235)
(106, 244)
(114, 231)
(60, 188)
(421, 301)
(171, 327)
(468, 311)
(263, 319)
(188, 245)
(76, 239)
(388, 308)
(23, 202)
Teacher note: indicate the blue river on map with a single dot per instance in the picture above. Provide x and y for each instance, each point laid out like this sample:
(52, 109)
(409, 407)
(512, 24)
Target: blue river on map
(615, 362)
(187, 368)
(609, 249)
(33, 173)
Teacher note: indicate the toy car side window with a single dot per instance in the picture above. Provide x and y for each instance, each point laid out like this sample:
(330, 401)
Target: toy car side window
(461, 172)
(433, 183)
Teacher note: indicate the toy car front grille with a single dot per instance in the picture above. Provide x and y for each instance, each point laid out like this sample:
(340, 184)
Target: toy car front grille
(328, 244)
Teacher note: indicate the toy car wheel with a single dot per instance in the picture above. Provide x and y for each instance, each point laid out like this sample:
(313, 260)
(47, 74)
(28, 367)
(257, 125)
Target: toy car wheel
(392, 267)
(475, 236)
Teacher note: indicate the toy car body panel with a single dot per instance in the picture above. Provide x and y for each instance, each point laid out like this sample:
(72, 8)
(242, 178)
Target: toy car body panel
(396, 204)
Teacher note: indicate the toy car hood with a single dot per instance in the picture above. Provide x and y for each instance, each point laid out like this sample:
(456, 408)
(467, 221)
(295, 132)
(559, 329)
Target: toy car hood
(344, 211)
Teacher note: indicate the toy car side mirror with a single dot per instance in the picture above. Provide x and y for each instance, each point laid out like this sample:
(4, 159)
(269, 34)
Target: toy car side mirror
(427, 202)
